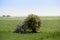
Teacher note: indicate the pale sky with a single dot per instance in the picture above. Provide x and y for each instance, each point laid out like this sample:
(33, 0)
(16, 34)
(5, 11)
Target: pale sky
(25, 7)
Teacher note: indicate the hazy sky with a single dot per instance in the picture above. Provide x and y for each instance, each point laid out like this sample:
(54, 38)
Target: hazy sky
(25, 7)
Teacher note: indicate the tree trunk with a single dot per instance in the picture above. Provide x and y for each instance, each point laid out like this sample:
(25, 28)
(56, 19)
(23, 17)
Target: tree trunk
(34, 30)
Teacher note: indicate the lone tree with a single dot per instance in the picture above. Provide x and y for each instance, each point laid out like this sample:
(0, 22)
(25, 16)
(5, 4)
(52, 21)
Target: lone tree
(33, 22)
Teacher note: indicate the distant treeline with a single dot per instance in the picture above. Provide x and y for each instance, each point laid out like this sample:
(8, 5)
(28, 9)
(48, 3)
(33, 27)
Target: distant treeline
(6, 16)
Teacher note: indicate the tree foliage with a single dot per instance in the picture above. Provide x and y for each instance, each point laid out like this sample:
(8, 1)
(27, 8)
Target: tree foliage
(33, 22)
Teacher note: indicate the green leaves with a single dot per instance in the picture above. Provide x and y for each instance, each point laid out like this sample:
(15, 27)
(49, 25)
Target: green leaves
(33, 22)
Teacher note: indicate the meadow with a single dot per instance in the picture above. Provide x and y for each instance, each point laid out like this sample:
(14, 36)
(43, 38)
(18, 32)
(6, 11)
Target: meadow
(50, 29)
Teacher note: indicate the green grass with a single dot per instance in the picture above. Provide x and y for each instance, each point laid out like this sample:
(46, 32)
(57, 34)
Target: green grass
(50, 29)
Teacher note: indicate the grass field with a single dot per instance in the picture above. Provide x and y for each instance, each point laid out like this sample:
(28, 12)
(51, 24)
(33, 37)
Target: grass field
(50, 29)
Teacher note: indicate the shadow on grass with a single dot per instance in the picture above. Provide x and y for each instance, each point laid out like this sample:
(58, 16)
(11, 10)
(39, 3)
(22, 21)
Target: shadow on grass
(27, 32)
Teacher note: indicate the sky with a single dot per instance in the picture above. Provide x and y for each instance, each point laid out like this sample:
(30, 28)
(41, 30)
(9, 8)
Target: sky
(26, 7)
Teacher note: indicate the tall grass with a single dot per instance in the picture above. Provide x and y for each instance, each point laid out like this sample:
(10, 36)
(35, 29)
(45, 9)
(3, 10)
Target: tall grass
(50, 29)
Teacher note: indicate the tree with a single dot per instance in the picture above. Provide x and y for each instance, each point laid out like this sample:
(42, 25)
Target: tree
(8, 15)
(3, 16)
(33, 22)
